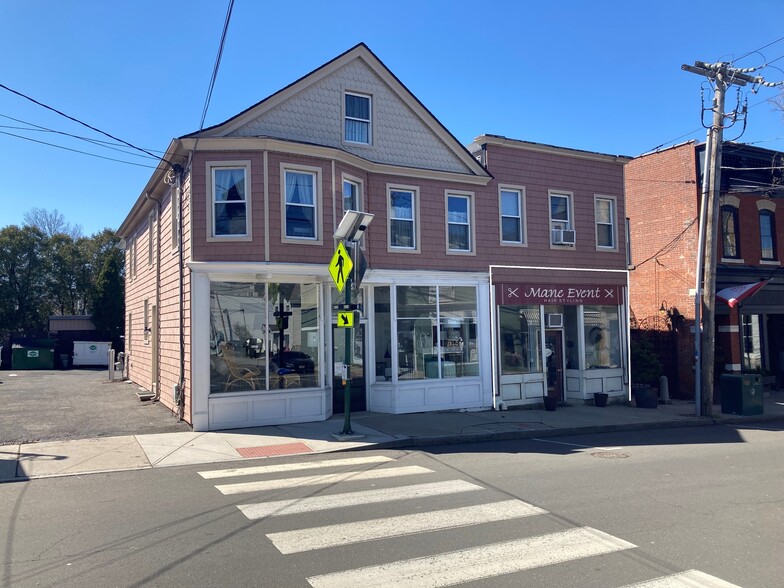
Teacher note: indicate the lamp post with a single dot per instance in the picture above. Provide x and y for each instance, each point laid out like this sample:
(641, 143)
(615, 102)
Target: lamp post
(350, 230)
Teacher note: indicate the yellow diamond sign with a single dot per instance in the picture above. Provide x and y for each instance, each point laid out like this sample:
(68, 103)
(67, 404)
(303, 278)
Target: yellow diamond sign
(340, 267)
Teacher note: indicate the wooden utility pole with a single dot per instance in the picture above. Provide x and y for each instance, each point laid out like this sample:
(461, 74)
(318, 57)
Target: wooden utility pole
(722, 75)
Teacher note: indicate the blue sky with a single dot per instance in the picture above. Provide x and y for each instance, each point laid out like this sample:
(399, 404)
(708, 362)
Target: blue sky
(602, 76)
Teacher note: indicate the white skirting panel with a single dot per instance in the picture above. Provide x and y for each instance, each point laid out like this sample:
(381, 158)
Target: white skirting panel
(428, 395)
(267, 408)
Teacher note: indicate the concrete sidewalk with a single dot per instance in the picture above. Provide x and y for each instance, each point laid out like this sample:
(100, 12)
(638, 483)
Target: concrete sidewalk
(106, 454)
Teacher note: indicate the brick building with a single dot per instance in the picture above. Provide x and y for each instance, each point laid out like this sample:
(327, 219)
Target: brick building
(496, 273)
(663, 197)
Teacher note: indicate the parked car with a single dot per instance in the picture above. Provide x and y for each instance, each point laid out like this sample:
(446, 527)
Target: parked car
(298, 361)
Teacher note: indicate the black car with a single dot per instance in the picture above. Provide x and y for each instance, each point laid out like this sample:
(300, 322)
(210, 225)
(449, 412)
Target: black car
(298, 361)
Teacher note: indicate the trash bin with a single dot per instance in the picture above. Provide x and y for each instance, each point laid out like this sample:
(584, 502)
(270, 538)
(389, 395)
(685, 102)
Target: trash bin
(741, 394)
(32, 358)
(65, 360)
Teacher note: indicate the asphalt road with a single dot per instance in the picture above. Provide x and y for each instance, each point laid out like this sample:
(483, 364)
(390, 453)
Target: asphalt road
(49, 405)
(658, 502)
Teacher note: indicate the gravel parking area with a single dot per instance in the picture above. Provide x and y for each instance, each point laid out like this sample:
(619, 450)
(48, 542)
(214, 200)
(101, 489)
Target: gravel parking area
(47, 405)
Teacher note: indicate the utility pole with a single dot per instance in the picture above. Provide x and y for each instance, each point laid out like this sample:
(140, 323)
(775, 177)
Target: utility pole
(722, 75)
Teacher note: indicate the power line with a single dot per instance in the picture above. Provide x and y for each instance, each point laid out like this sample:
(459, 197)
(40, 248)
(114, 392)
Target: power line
(76, 120)
(77, 150)
(98, 142)
(757, 50)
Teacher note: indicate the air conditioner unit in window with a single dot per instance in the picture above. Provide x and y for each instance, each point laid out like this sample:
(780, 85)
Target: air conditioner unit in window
(563, 237)
(555, 320)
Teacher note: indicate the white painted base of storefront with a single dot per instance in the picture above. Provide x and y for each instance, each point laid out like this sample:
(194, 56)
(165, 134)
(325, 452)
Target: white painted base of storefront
(427, 396)
(257, 409)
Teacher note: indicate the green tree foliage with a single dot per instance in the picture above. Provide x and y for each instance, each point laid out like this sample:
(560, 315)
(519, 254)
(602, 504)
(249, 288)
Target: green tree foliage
(24, 299)
(108, 299)
(45, 274)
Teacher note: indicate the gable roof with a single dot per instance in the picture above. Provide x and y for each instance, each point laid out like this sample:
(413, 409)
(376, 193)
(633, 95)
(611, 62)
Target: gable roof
(358, 52)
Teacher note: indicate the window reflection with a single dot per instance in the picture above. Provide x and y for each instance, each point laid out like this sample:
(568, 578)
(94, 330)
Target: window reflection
(263, 336)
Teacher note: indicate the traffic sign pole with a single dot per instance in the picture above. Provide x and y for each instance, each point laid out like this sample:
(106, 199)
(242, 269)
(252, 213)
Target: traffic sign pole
(347, 365)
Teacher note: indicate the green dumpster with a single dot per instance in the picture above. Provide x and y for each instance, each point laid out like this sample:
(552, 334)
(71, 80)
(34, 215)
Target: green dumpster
(741, 394)
(39, 355)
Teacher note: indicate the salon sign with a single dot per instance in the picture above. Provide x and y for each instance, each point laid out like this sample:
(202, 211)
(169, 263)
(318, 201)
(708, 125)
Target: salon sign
(511, 294)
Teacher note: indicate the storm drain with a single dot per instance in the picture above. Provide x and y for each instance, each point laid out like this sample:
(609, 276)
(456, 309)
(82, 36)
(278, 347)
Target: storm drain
(610, 454)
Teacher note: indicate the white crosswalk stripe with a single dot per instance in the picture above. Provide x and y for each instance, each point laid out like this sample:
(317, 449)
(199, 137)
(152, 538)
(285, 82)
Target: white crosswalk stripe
(293, 467)
(445, 569)
(688, 579)
(325, 479)
(478, 563)
(347, 533)
(331, 501)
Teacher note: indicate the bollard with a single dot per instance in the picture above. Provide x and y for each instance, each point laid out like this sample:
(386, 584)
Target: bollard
(111, 365)
(664, 390)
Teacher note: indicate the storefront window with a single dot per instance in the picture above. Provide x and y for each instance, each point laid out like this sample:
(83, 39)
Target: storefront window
(383, 325)
(752, 342)
(436, 332)
(602, 337)
(571, 335)
(263, 336)
(520, 331)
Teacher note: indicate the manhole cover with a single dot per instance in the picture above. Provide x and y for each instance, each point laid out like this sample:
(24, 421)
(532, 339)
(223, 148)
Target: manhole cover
(610, 454)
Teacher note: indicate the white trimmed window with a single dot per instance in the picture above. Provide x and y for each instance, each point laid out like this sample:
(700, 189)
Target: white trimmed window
(402, 218)
(511, 202)
(357, 125)
(561, 230)
(604, 213)
(352, 195)
(458, 222)
(301, 204)
(229, 200)
(146, 321)
(151, 239)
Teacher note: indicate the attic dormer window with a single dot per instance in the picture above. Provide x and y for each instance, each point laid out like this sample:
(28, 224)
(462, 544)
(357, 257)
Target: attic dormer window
(357, 119)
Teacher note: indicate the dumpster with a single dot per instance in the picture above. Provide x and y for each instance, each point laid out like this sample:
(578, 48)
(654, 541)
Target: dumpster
(92, 353)
(741, 394)
(32, 358)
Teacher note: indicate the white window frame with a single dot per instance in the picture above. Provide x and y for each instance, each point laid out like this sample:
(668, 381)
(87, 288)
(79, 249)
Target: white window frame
(132, 258)
(415, 220)
(213, 166)
(469, 197)
(175, 220)
(368, 121)
(522, 218)
(567, 225)
(359, 186)
(151, 239)
(316, 172)
(613, 222)
(146, 321)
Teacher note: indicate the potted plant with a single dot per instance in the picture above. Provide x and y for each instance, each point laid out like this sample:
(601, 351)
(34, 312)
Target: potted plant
(646, 370)
(600, 398)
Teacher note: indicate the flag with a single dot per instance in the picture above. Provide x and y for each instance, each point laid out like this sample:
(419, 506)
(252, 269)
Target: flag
(736, 294)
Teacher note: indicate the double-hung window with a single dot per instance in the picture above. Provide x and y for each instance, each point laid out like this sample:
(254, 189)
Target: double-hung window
(511, 203)
(402, 218)
(300, 187)
(458, 222)
(767, 235)
(351, 195)
(561, 231)
(604, 212)
(729, 232)
(357, 128)
(230, 206)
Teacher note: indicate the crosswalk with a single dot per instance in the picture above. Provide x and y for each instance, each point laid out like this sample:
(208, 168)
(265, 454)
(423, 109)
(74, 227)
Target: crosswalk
(325, 481)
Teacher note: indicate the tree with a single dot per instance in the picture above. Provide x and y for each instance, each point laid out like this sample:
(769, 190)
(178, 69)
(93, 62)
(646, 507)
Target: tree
(109, 297)
(68, 279)
(24, 301)
(51, 223)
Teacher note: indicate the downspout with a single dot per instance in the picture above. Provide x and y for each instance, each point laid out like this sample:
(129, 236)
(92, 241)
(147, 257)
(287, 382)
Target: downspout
(179, 390)
(156, 376)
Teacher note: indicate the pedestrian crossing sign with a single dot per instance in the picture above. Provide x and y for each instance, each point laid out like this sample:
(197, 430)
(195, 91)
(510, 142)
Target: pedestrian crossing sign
(340, 266)
(347, 319)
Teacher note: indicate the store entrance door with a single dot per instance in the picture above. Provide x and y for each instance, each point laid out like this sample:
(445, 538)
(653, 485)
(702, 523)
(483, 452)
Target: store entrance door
(553, 345)
(357, 369)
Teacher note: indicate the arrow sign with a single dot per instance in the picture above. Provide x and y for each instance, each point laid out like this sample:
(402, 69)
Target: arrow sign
(346, 320)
